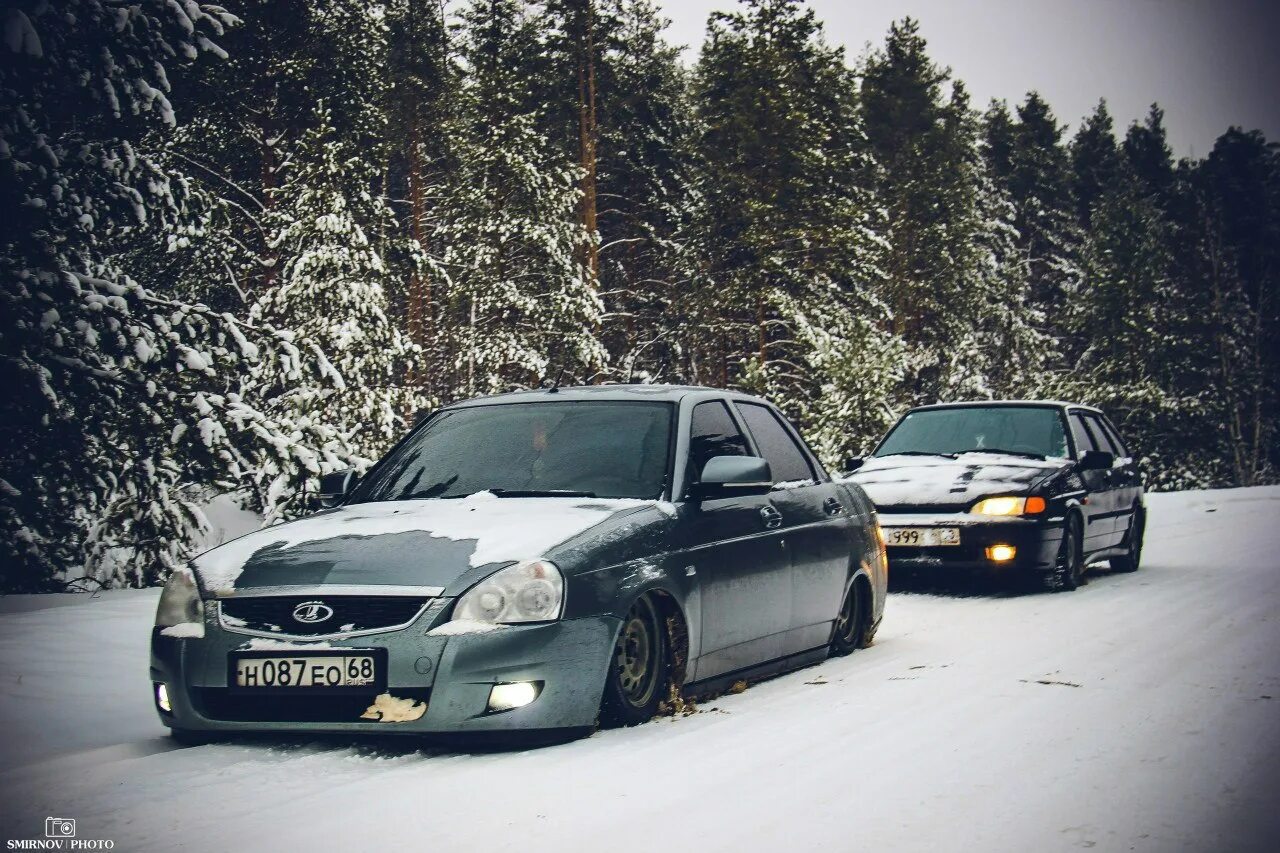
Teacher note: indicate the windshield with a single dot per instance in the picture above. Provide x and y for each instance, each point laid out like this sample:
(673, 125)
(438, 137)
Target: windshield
(1027, 430)
(606, 449)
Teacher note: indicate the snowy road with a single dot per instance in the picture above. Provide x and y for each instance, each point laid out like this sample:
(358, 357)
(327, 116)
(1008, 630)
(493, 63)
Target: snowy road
(1141, 712)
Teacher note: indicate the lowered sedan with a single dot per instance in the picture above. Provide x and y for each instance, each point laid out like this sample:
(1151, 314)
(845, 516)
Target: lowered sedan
(1040, 490)
(536, 562)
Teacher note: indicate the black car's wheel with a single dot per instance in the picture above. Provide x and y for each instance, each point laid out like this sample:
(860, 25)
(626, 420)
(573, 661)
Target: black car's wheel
(851, 625)
(1132, 557)
(1069, 572)
(640, 670)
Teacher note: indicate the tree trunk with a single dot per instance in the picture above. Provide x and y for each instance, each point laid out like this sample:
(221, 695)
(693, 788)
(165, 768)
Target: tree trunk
(587, 133)
(419, 289)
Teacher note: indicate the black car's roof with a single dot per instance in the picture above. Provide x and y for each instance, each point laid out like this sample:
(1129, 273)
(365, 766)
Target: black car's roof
(667, 393)
(1049, 404)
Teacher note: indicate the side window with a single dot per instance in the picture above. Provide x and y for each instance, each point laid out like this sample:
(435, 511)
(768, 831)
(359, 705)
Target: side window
(1114, 435)
(1100, 433)
(1084, 440)
(779, 449)
(712, 432)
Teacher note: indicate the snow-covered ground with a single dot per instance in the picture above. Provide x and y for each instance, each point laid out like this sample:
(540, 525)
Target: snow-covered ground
(1141, 712)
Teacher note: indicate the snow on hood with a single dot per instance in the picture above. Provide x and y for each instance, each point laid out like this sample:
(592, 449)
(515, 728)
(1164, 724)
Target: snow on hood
(412, 542)
(938, 480)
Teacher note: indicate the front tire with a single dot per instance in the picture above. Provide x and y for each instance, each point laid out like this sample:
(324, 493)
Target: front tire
(640, 670)
(1069, 573)
(1133, 556)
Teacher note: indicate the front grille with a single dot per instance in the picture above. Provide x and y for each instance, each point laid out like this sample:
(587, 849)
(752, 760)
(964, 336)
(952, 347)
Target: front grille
(218, 703)
(921, 509)
(276, 614)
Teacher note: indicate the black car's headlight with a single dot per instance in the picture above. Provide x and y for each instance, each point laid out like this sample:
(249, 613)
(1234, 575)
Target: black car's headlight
(181, 612)
(1009, 505)
(532, 591)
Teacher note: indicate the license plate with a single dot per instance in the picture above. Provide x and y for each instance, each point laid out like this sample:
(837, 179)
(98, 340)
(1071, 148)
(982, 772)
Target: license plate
(921, 537)
(355, 669)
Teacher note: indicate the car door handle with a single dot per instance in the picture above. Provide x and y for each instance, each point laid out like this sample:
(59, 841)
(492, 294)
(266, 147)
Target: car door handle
(772, 518)
(832, 506)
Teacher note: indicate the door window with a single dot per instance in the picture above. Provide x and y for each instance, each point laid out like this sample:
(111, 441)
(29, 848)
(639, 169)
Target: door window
(1114, 435)
(712, 432)
(1099, 430)
(786, 460)
(1084, 439)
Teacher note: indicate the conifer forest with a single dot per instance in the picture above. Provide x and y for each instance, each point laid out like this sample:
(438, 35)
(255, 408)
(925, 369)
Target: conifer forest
(246, 245)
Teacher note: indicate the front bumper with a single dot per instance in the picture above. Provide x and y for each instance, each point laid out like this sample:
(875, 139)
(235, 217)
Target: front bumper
(452, 675)
(1036, 540)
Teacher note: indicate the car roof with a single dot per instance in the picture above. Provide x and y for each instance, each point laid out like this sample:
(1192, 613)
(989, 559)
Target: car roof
(666, 393)
(1050, 404)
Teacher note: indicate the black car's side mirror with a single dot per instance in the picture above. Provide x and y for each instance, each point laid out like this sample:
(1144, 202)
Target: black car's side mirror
(1097, 460)
(335, 487)
(726, 476)
(852, 463)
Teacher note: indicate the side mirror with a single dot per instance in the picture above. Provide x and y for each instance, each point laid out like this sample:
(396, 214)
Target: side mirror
(725, 476)
(852, 463)
(335, 487)
(1097, 460)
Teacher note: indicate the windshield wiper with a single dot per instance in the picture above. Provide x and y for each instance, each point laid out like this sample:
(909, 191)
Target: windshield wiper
(540, 493)
(1025, 453)
(918, 453)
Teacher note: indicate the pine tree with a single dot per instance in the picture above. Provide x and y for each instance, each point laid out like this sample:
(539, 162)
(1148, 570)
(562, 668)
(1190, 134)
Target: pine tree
(1229, 210)
(521, 306)
(645, 188)
(1146, 149)
(1037, 176)
(121, 397)
(1095, 162)
(332, 293)
(420, 99)
(930, 182)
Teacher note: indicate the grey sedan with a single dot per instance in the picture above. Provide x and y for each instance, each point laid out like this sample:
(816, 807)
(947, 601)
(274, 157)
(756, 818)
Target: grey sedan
(539, 562)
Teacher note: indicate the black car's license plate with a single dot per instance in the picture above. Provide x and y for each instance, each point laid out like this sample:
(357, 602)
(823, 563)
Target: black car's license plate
(344, 670)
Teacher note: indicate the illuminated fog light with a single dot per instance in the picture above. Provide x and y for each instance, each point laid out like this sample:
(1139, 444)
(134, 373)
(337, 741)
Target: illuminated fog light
(162, 698)
(505, 697)
(1001, 553)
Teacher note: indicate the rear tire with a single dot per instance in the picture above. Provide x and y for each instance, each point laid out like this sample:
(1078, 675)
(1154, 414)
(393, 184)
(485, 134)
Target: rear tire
(1133, 557)
(851, 631)
(640, 669)
(1069, 572)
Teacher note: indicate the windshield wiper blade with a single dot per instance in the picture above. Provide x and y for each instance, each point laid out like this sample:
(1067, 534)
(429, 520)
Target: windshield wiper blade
(919, 453)
(1028, 454)
(540, 493)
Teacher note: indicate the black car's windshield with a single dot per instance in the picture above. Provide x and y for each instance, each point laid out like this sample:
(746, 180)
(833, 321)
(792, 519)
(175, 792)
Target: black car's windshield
(1033, 431)
(606, 449)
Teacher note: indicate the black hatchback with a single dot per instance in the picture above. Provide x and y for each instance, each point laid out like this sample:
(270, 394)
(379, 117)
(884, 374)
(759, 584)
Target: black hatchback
(1034, 488)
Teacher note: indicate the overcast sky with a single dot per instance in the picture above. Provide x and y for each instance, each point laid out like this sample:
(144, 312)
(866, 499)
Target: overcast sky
(1208, 64)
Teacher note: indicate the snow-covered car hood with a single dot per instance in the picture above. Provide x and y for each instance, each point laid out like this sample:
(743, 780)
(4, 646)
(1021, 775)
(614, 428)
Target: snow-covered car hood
(404, 543)
(938, 481)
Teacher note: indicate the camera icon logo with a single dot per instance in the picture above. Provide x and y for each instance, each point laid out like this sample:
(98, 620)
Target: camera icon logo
(59, 827)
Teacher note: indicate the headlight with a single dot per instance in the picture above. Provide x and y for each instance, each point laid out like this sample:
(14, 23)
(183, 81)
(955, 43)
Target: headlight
(1009, 506)
(181, 612)
(527, 592)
